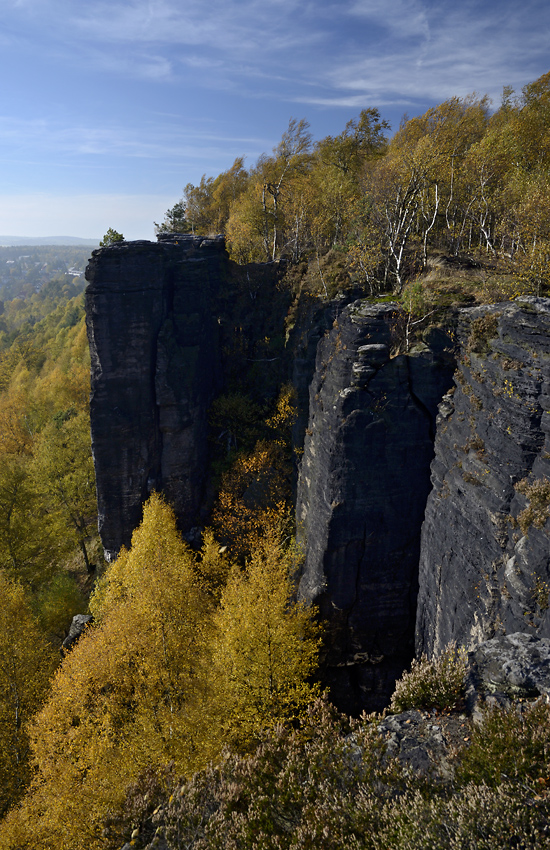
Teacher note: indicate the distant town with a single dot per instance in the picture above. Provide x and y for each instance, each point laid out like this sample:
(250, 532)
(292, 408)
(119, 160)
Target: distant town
(25, 270)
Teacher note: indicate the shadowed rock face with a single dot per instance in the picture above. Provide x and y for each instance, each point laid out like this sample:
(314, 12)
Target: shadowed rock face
(362, 490)
(481, 573)
(155, 361)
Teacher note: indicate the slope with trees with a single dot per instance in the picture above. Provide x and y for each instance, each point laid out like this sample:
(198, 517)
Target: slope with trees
(455, 180)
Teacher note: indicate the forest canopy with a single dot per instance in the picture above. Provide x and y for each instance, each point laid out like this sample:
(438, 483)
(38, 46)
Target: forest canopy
(458, 179)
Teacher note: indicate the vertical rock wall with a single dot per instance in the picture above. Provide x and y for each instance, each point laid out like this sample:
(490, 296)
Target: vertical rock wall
(362, 490)
(485, 565)
(155, 367)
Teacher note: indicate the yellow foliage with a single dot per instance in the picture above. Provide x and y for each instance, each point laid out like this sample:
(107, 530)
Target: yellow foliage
(265, 646)
(16, 428)
(26, 664)
(129, 695)
(254, 492)
(284, 416)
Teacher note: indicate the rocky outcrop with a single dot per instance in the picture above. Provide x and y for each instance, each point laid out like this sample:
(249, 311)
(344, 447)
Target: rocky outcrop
(362, 489)
(422, 743)
(155, 367)
(485, 555)
(159, 316)
(78, 626)
(508, 668)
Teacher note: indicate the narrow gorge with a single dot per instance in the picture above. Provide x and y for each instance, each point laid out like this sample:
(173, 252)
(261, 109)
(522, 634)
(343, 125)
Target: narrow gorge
(423, 491)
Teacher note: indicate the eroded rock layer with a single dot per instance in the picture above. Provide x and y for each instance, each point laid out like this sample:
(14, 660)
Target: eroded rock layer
(362, 490)
(485, 557)
(155, 367)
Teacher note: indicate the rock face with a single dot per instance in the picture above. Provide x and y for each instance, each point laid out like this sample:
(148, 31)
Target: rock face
(158, 317)
(362, 490)
(420, 743)
(78, 625)
(508, 668)
(155, 367)
(485, 555)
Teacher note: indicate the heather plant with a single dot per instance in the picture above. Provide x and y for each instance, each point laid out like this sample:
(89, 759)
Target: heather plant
(538, 509)
(299, 789)
(330, 784)
(510, 745)
(508, 817)
(432, 683)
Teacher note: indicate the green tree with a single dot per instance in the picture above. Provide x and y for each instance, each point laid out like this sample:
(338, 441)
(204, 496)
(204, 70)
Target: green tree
(175, 220)
(111, 237)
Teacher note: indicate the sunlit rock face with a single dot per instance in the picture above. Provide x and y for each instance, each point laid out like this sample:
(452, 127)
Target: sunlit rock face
(155, 361)
(485, 555)
(362, 490)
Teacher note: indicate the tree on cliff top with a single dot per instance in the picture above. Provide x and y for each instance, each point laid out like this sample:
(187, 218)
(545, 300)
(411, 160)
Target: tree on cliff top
(110, 238)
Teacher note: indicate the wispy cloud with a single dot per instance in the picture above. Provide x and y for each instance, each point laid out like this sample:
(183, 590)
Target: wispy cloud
(456, 49)
(322, 52)
(401, 18)
(114, 140)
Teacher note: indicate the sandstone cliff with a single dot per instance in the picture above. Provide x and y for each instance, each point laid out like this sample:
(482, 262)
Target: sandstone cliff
(154, 342)
(464, 555)
(362, 490)
(485, 555)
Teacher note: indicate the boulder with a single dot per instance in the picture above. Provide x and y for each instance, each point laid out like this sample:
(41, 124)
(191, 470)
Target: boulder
(507, 668)
(78, 625)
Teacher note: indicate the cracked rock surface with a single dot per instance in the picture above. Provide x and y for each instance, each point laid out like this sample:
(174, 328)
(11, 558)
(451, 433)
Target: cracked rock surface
(507, 668)
(485, 553)
(362, 490)
(155, 367)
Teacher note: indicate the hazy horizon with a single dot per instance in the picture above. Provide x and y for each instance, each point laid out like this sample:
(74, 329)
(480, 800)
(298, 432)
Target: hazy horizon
(113, 107)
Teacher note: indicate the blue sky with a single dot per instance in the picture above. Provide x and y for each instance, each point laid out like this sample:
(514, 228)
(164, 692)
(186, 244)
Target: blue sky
(108, 109)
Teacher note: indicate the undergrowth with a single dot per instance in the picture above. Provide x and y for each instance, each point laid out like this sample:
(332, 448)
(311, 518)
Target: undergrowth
(436, 683)
(329, 785)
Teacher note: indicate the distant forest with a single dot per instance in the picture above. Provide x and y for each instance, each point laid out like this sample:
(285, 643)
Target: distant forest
(26, 269)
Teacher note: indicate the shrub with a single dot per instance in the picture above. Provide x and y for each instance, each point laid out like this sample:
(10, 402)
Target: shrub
(538, 509)
(483, 329)
(512, 744)
(436, 683)
(311, 787)
(476, 817)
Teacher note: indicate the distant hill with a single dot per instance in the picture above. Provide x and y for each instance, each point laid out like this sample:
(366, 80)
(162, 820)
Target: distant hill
(47, 240)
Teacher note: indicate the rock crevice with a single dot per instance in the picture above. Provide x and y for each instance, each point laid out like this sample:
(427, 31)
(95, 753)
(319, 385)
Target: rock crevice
(362, 488)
